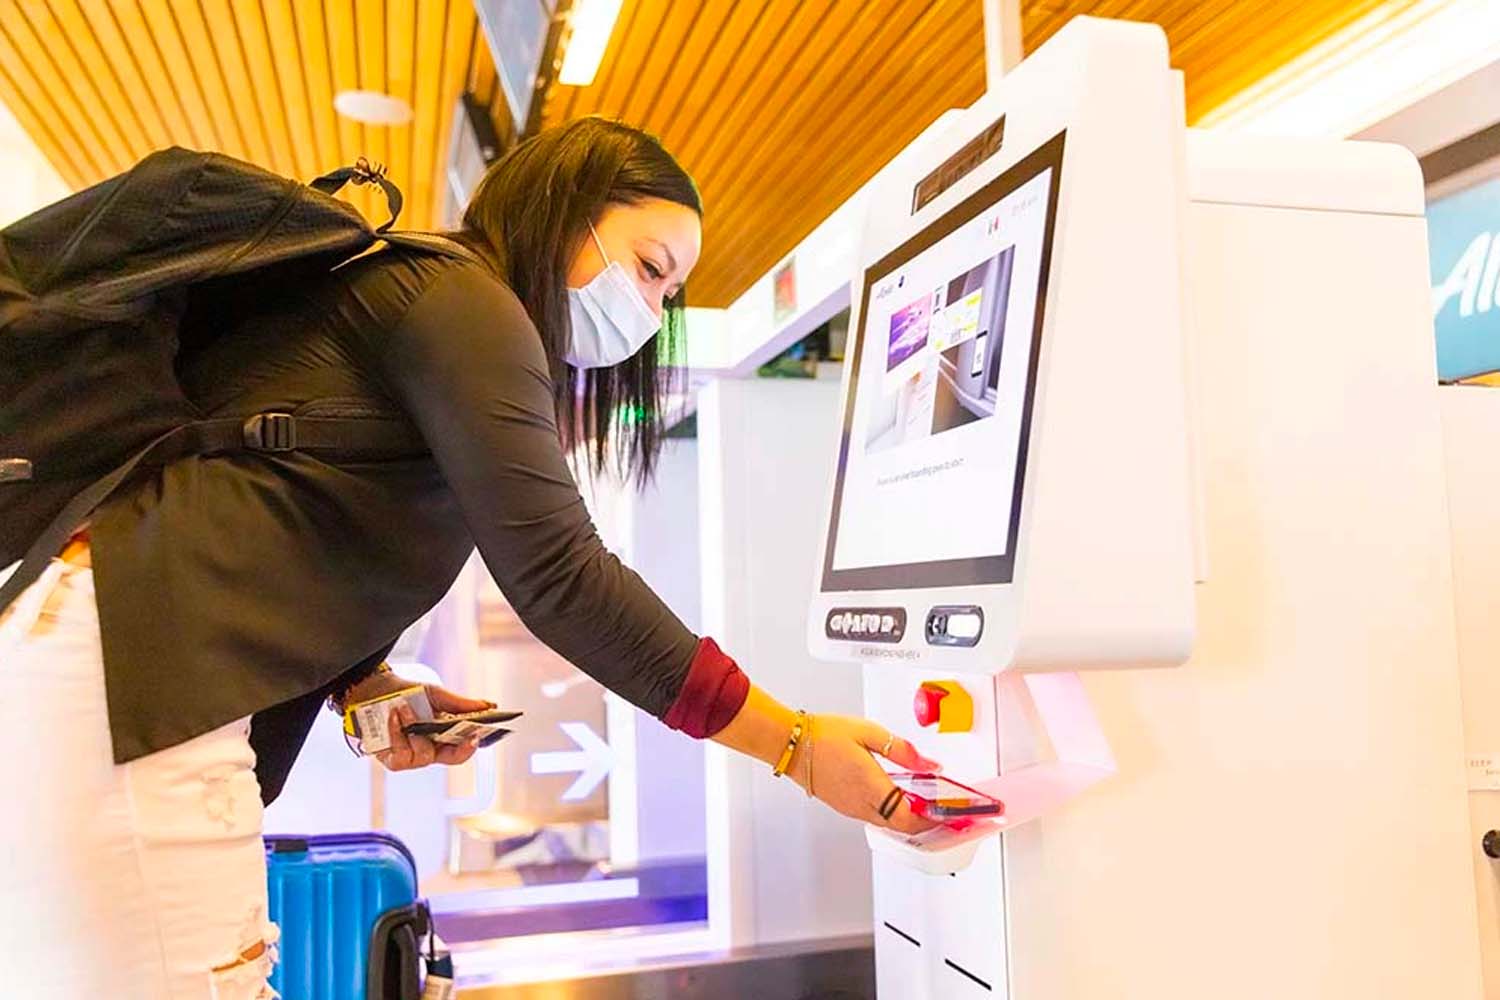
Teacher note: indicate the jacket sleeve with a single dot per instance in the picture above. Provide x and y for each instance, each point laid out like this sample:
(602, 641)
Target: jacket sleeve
(467, 365)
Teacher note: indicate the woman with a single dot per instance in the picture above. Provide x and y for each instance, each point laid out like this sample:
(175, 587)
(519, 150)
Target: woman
(205, 614)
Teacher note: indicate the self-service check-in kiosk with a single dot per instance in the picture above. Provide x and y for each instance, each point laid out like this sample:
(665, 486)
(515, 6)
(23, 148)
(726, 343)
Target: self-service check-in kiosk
(1019, 496)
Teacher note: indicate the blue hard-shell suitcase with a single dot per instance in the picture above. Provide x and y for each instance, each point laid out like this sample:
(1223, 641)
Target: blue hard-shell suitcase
(351, 923)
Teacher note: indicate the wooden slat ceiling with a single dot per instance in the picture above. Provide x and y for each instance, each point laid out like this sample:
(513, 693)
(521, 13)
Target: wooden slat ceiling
(100, 83)
(780, 108)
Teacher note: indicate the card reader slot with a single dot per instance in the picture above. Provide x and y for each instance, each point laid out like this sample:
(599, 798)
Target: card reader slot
(954, 625)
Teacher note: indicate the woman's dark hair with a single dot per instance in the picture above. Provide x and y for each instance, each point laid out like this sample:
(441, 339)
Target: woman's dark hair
(532, 211)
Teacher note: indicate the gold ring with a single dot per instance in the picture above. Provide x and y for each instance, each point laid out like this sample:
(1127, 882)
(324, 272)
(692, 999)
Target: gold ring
(890, 739)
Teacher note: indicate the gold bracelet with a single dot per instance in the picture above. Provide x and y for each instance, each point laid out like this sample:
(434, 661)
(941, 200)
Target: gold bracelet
(809, 756)
(791, 745)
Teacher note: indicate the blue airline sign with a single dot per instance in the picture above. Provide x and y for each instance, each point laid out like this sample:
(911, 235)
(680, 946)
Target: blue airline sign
(1464, 241)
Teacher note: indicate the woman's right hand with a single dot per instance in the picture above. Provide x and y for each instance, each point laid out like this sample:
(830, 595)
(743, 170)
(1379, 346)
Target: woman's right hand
(835, 756)
(835, 763)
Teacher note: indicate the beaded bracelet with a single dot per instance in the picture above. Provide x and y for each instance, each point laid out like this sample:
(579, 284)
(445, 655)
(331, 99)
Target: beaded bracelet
(338, 694)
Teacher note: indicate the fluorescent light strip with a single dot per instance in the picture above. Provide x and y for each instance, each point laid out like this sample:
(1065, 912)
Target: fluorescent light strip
(553, 957)
(1382, 63)
(624, 789)
(593, 23)
(526, 897)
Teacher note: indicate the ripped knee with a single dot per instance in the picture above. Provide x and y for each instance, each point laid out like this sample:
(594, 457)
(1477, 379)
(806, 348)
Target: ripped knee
(250, 954)
(245, 975)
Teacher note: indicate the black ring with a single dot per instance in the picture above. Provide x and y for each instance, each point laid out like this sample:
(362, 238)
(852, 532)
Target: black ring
(891, 804)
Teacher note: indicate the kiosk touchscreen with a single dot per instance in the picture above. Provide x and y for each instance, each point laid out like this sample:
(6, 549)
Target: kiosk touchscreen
(932, 457)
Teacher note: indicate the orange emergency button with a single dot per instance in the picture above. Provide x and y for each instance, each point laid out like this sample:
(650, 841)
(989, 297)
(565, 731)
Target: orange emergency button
(945, 703)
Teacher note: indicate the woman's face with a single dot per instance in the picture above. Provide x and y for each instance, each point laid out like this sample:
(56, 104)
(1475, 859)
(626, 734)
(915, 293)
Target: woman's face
(657, 242)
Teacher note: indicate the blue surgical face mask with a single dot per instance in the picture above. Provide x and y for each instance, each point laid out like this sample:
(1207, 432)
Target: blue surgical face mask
(610, 319)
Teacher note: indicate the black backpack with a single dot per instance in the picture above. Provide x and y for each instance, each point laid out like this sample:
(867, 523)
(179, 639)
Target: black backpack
(92, 296)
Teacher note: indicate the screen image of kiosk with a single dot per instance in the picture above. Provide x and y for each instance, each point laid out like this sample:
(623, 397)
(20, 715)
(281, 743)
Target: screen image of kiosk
(933, 454)
(946, 348)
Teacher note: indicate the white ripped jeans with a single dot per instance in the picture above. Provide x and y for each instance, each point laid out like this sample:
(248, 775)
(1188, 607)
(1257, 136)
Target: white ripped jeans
(138, 881)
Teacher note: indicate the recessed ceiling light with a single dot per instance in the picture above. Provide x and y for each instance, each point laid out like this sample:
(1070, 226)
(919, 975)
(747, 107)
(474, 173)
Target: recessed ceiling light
(372, 107)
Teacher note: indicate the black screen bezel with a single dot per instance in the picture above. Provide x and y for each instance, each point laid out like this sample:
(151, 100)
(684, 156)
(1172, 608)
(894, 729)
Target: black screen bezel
(981, 570)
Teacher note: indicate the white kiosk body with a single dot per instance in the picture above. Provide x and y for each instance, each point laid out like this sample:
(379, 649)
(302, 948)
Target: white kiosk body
(1015, 498)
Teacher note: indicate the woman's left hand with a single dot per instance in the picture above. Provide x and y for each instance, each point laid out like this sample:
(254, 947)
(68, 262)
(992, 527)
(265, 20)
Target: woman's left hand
(409, 752)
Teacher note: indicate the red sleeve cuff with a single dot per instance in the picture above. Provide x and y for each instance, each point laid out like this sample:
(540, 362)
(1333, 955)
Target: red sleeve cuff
(712, 695)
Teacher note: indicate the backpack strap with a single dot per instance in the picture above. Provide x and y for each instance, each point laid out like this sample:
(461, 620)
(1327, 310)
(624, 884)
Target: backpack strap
(263, 432)
(433, 243)
(363, 172)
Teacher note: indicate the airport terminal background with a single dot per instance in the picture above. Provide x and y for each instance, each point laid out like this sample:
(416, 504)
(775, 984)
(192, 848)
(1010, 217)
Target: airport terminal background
(595, 853)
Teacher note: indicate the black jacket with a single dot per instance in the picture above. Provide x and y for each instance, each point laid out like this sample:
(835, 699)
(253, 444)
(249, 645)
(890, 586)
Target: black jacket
(248, 583)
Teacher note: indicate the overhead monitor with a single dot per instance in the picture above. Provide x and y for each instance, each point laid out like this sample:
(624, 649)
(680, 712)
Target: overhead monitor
(517, 34)
(932, 458)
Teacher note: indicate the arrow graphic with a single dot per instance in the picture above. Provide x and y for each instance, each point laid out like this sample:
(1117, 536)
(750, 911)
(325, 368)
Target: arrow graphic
(592, 761)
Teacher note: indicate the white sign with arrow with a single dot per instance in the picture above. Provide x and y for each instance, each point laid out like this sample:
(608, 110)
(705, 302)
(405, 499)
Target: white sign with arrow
(593, 761)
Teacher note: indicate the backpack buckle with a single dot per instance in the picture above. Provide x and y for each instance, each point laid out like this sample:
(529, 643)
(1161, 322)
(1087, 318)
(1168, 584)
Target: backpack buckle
(366, 172)
(271, 432)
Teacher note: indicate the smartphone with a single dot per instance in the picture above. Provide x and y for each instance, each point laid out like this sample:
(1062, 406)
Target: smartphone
(934, 797)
